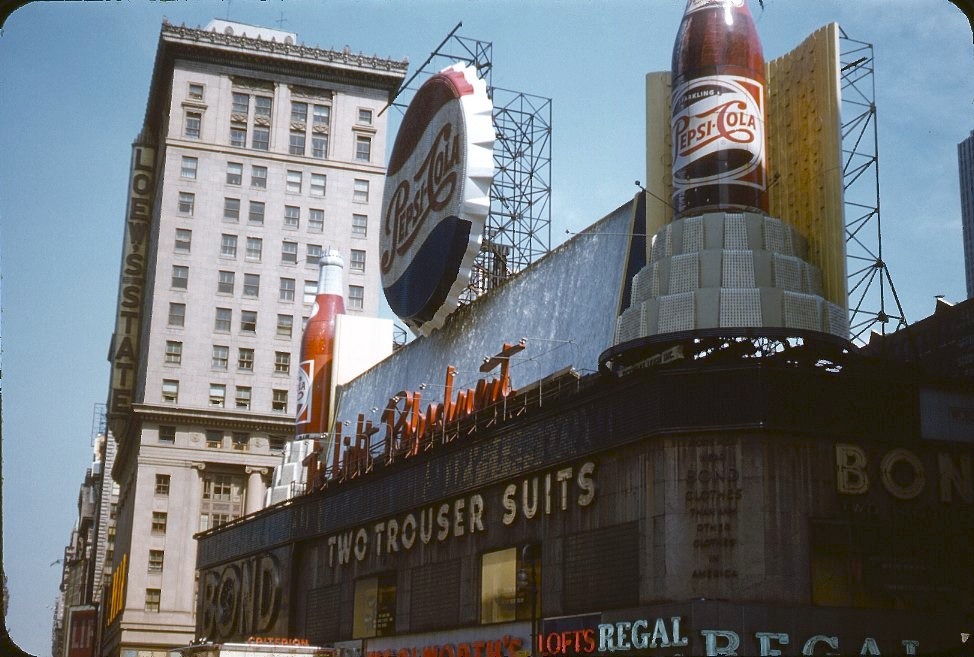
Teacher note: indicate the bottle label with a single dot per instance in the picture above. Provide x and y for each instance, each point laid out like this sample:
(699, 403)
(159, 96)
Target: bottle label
(718, 132)
(697, 5)
(305, 378)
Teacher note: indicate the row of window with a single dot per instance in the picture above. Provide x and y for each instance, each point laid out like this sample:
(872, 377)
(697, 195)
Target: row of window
(254, 249)
(214, 438)
(183, 245)
(218, 396)
(300, 129)
(223, 320)
(293, 182)
(221, 358)
(226, 282)
(256, 212)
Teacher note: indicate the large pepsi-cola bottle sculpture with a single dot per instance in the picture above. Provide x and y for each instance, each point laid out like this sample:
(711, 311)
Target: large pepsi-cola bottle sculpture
(717, 111)
(318, 349)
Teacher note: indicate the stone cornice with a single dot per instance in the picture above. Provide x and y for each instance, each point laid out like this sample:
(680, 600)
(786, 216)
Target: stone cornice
(214, 418)
(343, 58)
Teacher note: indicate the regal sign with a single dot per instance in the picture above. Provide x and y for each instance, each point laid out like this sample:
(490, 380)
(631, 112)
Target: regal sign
(437, 196)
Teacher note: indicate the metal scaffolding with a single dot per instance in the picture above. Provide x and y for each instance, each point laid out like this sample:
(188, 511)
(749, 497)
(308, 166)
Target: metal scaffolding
(518, 227)
(868, 276)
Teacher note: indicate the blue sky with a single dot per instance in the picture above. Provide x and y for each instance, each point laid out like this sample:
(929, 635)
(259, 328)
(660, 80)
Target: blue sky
(73, 85)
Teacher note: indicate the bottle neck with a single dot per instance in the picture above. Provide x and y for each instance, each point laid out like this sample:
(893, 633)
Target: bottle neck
(697, 5)
(330, 274)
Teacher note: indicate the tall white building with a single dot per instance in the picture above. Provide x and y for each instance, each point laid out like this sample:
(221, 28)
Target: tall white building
(256, 154)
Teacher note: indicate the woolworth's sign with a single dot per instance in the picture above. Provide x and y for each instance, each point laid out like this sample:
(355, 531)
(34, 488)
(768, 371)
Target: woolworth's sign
(437, 196)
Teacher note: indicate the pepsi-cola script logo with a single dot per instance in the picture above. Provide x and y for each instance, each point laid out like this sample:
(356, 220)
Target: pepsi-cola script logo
(714, 114)
(305, 377)
(436, 182)
(732, 121)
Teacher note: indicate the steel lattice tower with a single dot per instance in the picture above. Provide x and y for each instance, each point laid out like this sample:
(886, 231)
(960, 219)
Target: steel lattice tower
(869, 279)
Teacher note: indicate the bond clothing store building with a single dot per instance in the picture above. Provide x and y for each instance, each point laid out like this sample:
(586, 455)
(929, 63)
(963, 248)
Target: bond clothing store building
(635, 446)
(697, 495)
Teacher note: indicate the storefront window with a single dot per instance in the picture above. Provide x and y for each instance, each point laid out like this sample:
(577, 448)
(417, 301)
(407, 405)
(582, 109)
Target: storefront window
(510, 581)
(375, 606)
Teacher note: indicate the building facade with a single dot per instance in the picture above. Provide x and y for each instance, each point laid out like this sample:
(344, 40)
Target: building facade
(710, 492)
(255, 155)
(965, 164)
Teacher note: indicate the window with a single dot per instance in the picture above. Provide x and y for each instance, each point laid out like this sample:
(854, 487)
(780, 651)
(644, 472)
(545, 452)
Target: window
(262, 106)
(234, 173)
(262, 139)
(188, 168)
(358, 260)
(251, 286)
(231, 209)
(184, 240)
(223, 317)
(174, 352)
(225, 282)
(277, 443)
(289, 252)
(365, 116)
(314, 254)
(222, 500)
(195, 91)
(191, 125)
(318, 181)
(162, 484)
(228, 246)
(245, 359)
(282, 362)
(310, 291)
(316, 220)
(156, 558)
(255, 246)
(356, 297)
(360, 225)
(258, 177)
(299, 112)
(363, 148)
(167, 435)
(374, 606)
(248, 321)
(238, 135)
(292, 216)
(285, 324)
(214, 439)
(255, 216)
(287, 290)
(218, 394)
(187, 201)
(505, 597)
(159, 519)
(296, 143)
(278, 405)
(319, 146)
(293, 182)
(180, 277)
(242, 398)
(177, 314)
(241, 104)
(170, 391)
(321, 115)
(221, 357)
(361, 191)
(241, 440)
(152, 599)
